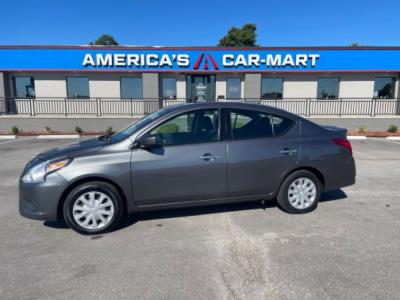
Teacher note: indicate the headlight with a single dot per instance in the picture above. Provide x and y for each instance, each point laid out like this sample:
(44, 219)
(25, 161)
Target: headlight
(38, 173)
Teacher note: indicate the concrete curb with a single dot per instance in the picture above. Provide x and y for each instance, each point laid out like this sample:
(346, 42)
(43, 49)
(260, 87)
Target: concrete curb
(59, 136)
(393, 138)
(7, 137)
(356, 137)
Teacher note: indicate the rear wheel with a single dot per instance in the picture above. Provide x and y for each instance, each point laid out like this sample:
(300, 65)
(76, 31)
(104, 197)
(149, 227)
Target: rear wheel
(299, 192)
(93, 208)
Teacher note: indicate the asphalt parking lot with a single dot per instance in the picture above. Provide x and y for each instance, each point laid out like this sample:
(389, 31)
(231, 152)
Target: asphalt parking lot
(347, 248)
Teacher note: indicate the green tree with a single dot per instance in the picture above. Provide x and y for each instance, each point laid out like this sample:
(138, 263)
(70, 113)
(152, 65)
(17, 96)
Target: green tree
(355, 45)
(106, 40)
(240, 37)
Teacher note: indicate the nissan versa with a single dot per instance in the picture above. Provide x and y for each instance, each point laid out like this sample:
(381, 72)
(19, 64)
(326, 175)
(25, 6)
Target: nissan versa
(187, 155)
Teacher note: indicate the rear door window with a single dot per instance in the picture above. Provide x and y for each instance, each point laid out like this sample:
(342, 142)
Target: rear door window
(249, 124)
(281, 125)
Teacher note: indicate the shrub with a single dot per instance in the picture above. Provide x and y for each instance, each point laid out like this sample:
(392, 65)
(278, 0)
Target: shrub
(362, 129)
(15, 130)
(109, 130)
(78, 130)
(393, 128)
(47, 129)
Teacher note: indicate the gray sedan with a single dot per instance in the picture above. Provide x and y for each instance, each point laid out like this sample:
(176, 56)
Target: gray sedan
(188, 155)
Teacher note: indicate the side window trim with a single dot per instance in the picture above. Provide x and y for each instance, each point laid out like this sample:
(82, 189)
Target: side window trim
(149, 130)
(228, 124)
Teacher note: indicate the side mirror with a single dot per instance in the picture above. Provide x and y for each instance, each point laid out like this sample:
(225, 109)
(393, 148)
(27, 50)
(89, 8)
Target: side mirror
(149, 142)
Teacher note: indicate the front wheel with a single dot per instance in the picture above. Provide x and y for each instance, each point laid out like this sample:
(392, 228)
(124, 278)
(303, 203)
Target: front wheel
(93, 208)
(299, 192)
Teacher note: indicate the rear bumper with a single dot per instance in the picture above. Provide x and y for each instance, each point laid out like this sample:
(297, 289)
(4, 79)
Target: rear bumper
(345, 175)
(40, 201)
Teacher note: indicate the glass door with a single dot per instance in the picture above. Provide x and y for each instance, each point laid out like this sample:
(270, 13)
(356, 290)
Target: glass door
(200, 88)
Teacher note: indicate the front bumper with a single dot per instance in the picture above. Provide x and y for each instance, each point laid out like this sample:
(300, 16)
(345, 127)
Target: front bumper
(40, 201)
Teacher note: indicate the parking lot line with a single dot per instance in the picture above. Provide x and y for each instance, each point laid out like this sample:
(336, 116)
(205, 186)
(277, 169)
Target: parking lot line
(363, 154)
(18, 140)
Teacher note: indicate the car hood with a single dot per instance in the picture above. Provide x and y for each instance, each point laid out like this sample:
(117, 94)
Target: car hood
(74, 150)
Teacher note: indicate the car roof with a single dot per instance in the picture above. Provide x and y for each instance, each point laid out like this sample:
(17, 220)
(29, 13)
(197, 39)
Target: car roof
(234, 105)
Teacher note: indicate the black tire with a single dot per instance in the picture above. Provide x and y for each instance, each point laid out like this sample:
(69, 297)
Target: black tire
(99, 187)
(283, 197)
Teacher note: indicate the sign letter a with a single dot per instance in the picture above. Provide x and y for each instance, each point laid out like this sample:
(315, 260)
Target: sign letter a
(88, 60)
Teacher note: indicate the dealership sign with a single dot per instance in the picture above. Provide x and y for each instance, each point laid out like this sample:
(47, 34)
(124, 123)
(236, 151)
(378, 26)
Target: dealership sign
(230, 60)
(198, 59)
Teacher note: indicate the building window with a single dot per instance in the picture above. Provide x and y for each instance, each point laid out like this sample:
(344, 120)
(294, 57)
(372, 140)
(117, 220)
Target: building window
(271, 88)
(168, 88)
(78, 87)
(131, 88)
(233, 88)
(384, 87)
(24, 87)
(328, 88)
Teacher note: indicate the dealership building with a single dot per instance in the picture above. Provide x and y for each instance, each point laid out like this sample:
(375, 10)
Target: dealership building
(56, 83)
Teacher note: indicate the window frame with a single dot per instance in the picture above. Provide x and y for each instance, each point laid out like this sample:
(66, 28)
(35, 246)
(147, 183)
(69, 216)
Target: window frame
(162, 87)
(338, 88)
(261, 87)
(220, 134)
(240, 88)
(271, 115)
(78, 98)
(394, 80)
(14, 86)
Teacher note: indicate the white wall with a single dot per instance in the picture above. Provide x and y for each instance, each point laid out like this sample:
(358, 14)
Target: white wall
(50, 85)
(220, 86)
(351, 85)
(357, 85)
(103, 85)
(181, 86)
(299, 85)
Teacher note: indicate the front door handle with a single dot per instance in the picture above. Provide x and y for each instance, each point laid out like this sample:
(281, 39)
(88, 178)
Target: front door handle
(287, 151)
(209, 157)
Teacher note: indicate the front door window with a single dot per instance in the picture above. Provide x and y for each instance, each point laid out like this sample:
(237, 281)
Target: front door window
(200, 126)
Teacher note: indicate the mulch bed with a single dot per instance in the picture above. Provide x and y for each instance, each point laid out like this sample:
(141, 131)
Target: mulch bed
(33, 133)
(371, 133)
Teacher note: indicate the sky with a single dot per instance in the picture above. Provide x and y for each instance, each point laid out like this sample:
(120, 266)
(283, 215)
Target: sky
(200, 23)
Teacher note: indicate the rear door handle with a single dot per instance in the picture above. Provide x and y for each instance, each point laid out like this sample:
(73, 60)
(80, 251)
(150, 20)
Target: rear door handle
(287, 151)
(209, 157)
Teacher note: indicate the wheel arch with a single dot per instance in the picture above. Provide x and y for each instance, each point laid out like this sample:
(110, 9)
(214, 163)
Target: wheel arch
(83, 180)
(313, 170)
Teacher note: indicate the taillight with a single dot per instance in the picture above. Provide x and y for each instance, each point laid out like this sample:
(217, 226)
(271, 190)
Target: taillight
(344, 143)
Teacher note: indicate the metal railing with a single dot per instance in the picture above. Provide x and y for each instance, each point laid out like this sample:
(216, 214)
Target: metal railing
(137, 107)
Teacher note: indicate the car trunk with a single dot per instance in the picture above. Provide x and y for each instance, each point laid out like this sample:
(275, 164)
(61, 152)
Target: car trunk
(336, 131)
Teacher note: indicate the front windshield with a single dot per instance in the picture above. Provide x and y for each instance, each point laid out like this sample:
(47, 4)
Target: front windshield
(131, 129)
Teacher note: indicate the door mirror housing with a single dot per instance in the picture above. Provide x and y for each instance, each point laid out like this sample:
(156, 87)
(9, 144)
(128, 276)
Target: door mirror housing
(149, 142)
